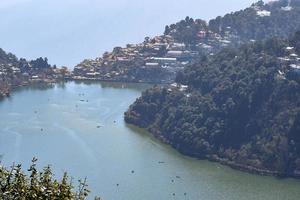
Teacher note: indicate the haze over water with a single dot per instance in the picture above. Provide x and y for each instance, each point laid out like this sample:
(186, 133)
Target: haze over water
(69, 31)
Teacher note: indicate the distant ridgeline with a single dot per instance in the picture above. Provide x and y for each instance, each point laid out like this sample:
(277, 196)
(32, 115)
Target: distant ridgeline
(16, 72)
(240, 107)
(158, 59)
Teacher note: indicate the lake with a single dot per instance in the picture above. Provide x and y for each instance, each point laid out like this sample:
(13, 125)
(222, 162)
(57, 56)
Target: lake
(79, 128)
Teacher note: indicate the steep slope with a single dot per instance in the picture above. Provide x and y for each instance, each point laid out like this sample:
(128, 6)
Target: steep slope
(16, 72)
(259, 21)
(158, 59)
(240, 107)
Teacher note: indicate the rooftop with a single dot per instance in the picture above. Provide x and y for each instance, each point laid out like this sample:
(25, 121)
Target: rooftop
(263, 13)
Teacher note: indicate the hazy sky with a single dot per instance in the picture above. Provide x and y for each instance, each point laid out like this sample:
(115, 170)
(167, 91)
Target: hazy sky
(67, 31)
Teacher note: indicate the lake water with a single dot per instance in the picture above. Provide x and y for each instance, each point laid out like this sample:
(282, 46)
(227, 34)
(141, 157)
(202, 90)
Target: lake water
(60, 127)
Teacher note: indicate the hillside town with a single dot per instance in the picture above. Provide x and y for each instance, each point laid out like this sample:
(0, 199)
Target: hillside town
(290, 63)
(156, 60)
(16, 73)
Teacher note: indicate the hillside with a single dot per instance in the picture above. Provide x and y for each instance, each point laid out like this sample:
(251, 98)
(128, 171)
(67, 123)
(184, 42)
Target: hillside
(16, 72)
(259, 21)
(240, 107)
(158, 59)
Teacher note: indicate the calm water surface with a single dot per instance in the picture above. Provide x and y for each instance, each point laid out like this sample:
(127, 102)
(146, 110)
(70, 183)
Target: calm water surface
(60, 127)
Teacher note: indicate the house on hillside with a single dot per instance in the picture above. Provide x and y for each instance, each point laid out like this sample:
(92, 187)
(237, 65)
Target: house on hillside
(295, 68)
(163, 61)
(263, 13)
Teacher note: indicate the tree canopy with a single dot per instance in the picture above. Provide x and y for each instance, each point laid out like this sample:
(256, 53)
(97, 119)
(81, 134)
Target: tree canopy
(241, 105)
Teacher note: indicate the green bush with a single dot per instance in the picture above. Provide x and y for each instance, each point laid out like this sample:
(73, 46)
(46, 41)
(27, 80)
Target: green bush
(16, 184)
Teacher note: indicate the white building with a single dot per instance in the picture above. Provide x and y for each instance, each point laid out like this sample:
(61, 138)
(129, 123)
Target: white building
(263, 13)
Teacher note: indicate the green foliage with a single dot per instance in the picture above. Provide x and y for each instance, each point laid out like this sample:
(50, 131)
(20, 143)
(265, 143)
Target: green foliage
(16, 72)
(236, 107)
(40, 63)
(245, 24)
(15, 184)
(186, 30)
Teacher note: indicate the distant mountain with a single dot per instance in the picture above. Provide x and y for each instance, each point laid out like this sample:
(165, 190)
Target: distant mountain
(240, 107)
(151, 61)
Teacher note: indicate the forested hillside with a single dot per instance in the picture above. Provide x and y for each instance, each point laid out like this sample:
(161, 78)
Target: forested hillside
(158, 59)
(16, 72)
(259, 21)
(240, 107)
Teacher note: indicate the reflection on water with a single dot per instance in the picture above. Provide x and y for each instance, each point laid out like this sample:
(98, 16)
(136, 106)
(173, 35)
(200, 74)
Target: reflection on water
(62, 85)
(79, 128)
(38, 86)
(115, 85)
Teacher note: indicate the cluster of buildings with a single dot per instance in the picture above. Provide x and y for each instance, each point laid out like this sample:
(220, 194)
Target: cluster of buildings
(157, 59)
(21, 73)
(210, 42)
(260, 11)
(290, 62)
(266, 13)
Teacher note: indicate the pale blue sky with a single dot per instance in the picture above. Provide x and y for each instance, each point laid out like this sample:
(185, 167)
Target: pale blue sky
(67, 31)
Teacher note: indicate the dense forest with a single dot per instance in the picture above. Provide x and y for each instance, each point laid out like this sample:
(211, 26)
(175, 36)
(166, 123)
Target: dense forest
(240, 107)
(259, 21)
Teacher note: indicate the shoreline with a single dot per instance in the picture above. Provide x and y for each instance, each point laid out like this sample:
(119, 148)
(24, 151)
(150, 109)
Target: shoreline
(118, 81)
(213, 158)
(7, 93)
(223, 161)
